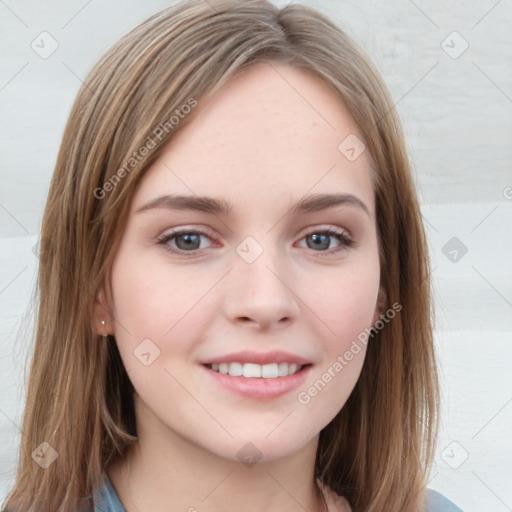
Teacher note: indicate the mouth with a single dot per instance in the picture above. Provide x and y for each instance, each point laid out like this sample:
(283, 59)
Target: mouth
(260, 382)
(257, 371)
(258, 375)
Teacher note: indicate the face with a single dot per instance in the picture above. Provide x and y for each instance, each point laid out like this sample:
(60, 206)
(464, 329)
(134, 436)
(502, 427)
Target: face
(261, 284)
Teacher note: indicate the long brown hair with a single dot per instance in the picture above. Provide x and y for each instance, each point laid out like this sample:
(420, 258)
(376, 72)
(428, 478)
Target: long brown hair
(378, 450)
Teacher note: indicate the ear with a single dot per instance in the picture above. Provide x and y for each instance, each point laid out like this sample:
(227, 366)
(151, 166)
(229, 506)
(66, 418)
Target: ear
(380, 305)
(102, 323)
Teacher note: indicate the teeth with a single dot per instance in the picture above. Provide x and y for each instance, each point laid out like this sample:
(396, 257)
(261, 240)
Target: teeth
(270, 371)
(251, 370)
(235, 369)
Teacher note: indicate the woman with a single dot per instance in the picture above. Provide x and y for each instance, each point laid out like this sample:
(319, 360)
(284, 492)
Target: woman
(234, 282)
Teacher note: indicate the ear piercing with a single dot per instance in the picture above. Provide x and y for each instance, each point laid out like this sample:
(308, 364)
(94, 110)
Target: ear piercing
(103, 335)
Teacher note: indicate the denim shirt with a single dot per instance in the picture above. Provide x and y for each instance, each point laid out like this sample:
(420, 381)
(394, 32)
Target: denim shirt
(106, 500)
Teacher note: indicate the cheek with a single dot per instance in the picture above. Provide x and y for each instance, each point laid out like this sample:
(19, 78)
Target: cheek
(347, 315)
(151, 299)
(166, 306)
(345, 301)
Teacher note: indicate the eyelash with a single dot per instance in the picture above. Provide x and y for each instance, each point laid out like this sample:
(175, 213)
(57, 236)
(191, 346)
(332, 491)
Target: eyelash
(345, 241)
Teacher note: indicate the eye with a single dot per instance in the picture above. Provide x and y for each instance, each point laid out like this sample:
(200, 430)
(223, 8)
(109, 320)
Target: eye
(189, 241)
(186, 240)
(321, 239)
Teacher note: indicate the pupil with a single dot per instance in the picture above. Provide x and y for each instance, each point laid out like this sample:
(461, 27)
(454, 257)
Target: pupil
(319, 240)
(189, 240)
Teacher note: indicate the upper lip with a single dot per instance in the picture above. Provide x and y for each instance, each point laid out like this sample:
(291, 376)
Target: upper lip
(248, 356)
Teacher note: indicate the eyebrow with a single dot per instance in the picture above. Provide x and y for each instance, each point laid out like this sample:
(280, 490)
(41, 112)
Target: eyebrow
(313, 203)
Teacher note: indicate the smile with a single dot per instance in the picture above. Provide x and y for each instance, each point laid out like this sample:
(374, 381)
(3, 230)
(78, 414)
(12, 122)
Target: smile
(255, 371)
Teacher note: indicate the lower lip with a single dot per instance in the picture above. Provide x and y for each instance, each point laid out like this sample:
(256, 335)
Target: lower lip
(260, 388)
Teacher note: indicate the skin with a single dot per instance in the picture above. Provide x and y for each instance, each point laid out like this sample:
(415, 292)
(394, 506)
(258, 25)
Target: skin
(262, 146)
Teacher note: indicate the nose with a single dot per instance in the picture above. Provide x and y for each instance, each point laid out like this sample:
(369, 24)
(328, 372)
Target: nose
(261, 294)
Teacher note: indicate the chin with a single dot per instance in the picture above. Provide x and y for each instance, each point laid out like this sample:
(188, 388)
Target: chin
(264, 447)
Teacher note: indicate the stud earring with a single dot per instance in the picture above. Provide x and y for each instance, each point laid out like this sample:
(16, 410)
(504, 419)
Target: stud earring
(103, 335)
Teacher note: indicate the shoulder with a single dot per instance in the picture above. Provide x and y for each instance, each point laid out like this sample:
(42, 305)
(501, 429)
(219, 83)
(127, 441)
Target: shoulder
(106, 498)
(436, 502)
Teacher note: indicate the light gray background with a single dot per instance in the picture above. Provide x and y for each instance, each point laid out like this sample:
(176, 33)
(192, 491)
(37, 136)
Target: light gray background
(457, 114)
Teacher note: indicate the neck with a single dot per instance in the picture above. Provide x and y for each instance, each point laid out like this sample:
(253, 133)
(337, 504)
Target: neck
(165, 473)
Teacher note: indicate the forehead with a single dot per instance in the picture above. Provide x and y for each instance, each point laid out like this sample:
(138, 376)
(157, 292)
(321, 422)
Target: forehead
(273, 132)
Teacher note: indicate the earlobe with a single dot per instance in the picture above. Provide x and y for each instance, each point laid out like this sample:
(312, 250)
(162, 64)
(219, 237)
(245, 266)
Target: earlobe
(102, 323)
